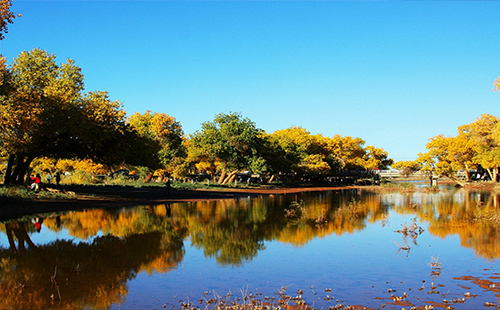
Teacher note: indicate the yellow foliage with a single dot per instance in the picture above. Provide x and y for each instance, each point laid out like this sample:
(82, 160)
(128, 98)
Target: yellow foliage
(348, 151)
(6, 16)
(44, 164)
(86, 165)
(315, 164)
(496, 85)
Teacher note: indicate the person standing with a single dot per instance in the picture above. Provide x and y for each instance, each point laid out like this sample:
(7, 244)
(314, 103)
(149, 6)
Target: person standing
(167, 188)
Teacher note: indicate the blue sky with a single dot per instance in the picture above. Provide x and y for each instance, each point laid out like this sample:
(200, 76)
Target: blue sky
(393, 73)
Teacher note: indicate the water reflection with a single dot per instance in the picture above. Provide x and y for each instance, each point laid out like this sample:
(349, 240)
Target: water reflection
(94, 274)
(471, 214)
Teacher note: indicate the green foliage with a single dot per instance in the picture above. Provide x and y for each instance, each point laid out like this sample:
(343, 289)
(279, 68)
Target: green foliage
(231, 139)
(13, 193)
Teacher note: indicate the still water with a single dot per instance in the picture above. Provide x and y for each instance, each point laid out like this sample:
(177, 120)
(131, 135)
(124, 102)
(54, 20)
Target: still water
(328, 248)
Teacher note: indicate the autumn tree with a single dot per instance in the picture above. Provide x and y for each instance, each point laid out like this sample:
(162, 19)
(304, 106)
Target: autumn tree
(376, 158)
(484, 135)
(347, 151)
(407, 167)
(302, 151)
(496, 85)
(164, 131)
(44, 113)
(476, 145)
(6, 16)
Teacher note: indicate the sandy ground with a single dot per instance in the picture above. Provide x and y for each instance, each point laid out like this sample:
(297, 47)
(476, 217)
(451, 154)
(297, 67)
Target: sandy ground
(87, 197)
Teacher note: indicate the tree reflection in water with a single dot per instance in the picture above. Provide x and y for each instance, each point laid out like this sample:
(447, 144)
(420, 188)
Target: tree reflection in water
(89, 275)
(121, 244)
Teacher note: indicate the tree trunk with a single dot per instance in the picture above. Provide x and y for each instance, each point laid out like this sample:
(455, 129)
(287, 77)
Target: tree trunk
(271, 179)
(24, 168)
(148, 177)
(17, 166)
(8, 177)
(456, 180)
(222, 176)
(490, 173)
(230, 177)
(467, 175)
(495, 173)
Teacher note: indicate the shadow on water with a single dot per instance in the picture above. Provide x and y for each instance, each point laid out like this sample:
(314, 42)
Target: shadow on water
(366, 248)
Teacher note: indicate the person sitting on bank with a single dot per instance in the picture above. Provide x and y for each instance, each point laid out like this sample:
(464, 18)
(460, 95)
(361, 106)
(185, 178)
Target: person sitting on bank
(36, 182)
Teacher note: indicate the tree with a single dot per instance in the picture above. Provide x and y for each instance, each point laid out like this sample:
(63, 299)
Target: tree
(34, 110)
(162, 129)
(298, 145)
(230, 139)
(6, 16)
(407, 167)
(376, 158)
(347, 151)
(43, 113)
(484, 134)
(476, 144)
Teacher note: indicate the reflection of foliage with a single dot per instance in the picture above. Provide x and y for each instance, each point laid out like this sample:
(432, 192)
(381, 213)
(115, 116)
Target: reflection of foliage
(231, 234)
(150, 238)
(350, 210)
(472, 215)
(88, 275)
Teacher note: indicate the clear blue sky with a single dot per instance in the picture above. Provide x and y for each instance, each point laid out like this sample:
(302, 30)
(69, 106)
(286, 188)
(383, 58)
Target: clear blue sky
(393, 73)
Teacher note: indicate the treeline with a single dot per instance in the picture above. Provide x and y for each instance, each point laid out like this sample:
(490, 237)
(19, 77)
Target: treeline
(46, 117)
(475, 149)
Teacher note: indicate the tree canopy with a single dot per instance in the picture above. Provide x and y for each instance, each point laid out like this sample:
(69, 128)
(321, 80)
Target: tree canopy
(43, 112)
(231, 140)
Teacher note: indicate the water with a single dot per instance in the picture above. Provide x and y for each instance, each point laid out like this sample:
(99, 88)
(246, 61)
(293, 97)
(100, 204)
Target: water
(326, 249)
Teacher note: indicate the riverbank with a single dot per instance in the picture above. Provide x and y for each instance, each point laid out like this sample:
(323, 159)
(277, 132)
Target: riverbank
(81, 197)
(74, 197)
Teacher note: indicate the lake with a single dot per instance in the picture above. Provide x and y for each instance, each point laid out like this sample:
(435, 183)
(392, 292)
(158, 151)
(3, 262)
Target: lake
(325, 250)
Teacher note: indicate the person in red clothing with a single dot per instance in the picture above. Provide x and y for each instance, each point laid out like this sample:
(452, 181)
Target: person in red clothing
(36, 182)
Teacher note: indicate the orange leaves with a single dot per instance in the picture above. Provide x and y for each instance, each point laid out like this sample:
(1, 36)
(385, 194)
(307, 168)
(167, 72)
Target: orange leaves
(6, 16)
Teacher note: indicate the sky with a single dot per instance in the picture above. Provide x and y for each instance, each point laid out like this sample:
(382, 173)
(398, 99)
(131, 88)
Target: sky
(394, 73)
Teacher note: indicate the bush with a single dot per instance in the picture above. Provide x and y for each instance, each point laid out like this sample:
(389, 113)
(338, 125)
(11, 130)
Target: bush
(82, 177)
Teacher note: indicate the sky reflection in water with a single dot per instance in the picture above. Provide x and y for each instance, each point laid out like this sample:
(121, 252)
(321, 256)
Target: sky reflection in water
(350, 242)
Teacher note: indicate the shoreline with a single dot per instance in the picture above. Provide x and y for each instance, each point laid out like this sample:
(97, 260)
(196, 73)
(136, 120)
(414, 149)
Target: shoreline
(85, 197)
(115, 197)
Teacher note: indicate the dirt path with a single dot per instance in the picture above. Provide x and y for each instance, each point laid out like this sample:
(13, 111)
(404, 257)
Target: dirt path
(88, 197)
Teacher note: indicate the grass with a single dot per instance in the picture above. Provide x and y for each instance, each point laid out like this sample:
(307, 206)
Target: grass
(393, 186)
(16, 193)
